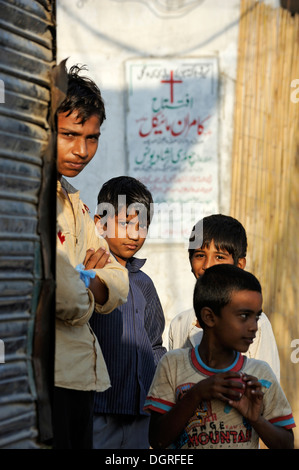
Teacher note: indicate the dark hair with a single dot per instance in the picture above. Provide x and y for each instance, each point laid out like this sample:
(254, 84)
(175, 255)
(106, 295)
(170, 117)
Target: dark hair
(83, 96)
(226, 232)
(128, 191)
(214, 288)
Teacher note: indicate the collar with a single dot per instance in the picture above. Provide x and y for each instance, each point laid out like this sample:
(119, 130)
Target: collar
(64, 184)
(135, 264)
(197, 362)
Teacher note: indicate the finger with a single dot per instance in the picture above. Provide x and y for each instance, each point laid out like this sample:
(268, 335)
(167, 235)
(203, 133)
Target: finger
(229, 375)
(230, 396)
(258, 393)
(103, 260)
(250, 378)
(233, 390)
(254, 384)
(94, 258)
(88, 255)
(236, 383)
(223, 397)
(234, 395)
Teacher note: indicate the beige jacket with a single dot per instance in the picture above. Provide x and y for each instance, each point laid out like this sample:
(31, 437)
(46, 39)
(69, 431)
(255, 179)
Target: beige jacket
(79, 362)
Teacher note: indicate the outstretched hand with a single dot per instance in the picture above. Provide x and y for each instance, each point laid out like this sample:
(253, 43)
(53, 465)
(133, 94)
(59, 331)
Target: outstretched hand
(96, 259)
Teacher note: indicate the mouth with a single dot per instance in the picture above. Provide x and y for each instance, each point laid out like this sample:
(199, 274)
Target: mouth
(130, 246)
(76, 166)
(249, 339)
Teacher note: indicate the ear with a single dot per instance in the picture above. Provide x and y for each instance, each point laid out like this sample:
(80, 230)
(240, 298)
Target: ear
(241, 263)
(208, 316)
(100, 227)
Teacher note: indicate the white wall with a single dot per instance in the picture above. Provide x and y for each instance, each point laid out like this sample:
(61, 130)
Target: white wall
(104, 34)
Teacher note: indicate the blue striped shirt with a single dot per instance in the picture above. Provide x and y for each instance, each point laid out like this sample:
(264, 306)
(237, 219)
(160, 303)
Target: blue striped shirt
(131, 341)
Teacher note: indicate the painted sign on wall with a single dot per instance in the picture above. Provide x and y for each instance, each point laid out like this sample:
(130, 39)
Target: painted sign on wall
(172, 135)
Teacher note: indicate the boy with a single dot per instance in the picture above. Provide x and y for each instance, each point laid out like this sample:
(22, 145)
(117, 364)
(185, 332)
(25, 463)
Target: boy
(131, 337)
(218, 239)
(87, 277)
(212, 396)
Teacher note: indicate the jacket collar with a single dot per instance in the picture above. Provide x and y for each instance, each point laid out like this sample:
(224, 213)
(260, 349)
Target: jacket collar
(64, 184)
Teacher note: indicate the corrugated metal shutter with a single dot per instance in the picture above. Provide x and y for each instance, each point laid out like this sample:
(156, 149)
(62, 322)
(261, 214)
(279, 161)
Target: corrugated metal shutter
(27, 209)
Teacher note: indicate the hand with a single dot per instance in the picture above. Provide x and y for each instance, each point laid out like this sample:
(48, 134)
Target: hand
(96, 259)
(221, 386)
(250, 404)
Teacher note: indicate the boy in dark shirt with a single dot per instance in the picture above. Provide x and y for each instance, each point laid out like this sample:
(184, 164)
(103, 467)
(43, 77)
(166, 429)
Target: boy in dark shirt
(131, 337)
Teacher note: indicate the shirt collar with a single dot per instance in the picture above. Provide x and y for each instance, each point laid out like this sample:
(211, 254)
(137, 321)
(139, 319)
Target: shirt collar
(197, 362)
(134, 264)
(63, 185)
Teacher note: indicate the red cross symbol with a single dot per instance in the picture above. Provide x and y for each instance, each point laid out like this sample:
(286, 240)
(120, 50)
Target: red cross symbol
(171, 82)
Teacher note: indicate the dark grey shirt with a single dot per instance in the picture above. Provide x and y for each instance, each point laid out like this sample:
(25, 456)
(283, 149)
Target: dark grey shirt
(131, 341)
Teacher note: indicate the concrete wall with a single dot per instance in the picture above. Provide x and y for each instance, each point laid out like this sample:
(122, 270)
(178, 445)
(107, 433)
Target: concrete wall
(104, 34)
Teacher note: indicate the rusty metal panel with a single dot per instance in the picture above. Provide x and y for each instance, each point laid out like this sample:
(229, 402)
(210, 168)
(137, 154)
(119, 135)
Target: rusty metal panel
(27, 51)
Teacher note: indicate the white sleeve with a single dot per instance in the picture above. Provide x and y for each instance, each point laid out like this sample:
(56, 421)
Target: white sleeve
(179, 329)
(264, 346)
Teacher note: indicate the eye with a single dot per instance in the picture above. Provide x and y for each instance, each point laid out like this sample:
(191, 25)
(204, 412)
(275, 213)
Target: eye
(222, 256)
(244, 315)
(67, 134)
(198, 255)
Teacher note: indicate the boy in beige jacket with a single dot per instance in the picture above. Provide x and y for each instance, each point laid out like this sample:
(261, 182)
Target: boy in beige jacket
(88, 278)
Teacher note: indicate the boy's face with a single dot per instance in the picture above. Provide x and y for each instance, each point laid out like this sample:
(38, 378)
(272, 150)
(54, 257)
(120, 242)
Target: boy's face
(76, 143)
(237, 325)
(205, 257)
(123, 233)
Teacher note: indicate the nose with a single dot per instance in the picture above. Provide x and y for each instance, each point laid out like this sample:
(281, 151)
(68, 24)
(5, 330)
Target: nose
(133, 231)
(80, 148)
(207, 263)
(253, 326)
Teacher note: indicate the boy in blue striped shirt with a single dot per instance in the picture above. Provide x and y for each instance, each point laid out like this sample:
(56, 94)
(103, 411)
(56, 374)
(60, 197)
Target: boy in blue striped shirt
(131, 336)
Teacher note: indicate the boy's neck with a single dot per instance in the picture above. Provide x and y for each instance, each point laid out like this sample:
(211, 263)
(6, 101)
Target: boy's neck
(214, 355)
(122, 261)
